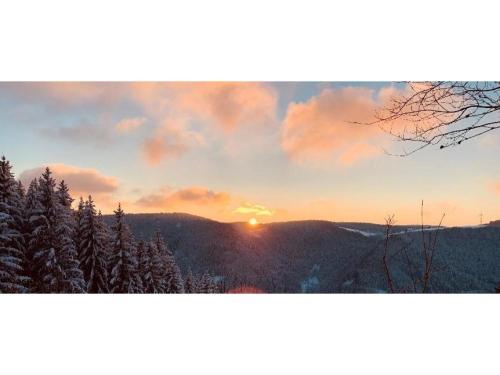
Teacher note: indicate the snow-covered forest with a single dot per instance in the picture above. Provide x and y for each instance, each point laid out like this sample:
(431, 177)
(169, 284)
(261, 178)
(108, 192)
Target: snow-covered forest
(46, 246)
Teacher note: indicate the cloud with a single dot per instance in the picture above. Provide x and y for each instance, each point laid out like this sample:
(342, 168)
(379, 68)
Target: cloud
(322, 129)
(253, 209)
(227, 104)
(169, 142)
(168, 199)
(202, 201)
(81, 181)
(217, 108)
(211, 106)
(128, 125)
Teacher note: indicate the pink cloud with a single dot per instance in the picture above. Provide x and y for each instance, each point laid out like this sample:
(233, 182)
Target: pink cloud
(321, 128)
(213, 105)
(207, 105)
(227, 104)
(169, 142)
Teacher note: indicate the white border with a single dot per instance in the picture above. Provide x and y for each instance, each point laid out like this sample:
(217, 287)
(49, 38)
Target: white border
(243, 40)
(253, 334)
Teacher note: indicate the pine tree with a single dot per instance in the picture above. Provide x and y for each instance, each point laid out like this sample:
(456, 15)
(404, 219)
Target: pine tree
(190, 283)
(49, 274)
(145, 266)
(172, 280)
(124, 272)
(52, 257)
(63, 195)
(32, 208)
(23, 225)
(158, 269)
(77, 237)
(32, 200)
(207, 284)
(73, 276)
(204, 283)
(107, 238)
(12, 247)
(93, 254)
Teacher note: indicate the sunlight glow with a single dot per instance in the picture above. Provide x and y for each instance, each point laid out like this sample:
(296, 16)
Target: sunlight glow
(253, 221)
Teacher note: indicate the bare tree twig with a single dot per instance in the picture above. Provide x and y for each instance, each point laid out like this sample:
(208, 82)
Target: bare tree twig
(441, 113)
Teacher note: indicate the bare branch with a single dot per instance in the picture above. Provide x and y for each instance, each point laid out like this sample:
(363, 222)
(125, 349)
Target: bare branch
(441, 113)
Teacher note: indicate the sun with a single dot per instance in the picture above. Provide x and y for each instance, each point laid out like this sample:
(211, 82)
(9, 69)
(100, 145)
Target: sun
(253, 221)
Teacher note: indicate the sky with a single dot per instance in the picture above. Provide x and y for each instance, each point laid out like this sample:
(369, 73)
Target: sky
(229, 151)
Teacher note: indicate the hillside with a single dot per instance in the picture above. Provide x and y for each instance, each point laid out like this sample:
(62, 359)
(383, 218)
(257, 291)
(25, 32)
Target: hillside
(321, 256)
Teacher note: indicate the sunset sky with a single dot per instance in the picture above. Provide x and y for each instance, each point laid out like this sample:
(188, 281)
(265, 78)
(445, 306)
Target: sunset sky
(233, 151)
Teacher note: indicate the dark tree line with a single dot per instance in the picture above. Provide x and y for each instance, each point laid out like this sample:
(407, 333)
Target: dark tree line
(46, 246)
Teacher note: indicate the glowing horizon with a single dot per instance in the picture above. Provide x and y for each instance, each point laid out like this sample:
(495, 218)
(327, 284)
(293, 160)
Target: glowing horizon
(234, 151)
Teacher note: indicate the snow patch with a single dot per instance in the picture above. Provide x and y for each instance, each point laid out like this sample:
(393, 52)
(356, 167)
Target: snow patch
(362, 232)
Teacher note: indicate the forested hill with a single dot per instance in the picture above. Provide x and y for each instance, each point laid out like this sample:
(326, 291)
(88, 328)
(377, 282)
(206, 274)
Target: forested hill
(322, 256)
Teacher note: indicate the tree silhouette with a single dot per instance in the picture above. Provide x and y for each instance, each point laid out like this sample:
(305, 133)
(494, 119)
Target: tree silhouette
(441, 114)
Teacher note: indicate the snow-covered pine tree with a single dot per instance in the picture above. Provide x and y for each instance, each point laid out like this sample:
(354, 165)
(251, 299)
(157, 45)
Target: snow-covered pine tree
(53, 258)
(73, 275)
(49, 274)
(63, 195)
(124, 269)
(77, 236)
(204, 283)
(145, 268)
(12, 246)
(93, 253)
(173, 282)
(158, 269)
(32, 208)
(107, 237)
(207, 284)
(190, 283)
(23, 225)
(32, 201)
(176, 282)
(213, 286)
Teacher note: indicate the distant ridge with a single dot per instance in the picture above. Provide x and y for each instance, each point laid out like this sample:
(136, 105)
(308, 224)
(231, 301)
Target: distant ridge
(495, 223)
(321, 256)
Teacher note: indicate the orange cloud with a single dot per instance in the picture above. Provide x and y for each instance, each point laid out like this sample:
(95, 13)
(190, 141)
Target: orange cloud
(167, 199)
(322, 129)
(80, 180)
(253, 209)
(128, 125)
